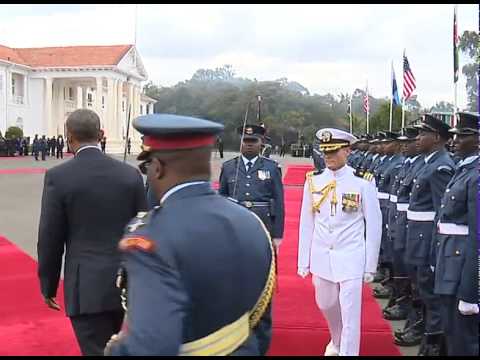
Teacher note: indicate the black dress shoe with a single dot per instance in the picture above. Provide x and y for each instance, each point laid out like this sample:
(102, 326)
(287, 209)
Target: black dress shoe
(409, 338)
(430, 350)
(396, 312)
(382, 292)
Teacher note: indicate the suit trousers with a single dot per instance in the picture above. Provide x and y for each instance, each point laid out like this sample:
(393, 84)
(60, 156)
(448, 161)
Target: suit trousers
(461, 331)
(341, 305)
(94, 330)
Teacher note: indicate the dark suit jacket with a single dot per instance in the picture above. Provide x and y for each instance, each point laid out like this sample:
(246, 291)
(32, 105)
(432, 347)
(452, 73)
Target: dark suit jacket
(86, 204)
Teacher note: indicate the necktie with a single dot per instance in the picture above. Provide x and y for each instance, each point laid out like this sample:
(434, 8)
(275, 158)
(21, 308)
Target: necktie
(249, 166)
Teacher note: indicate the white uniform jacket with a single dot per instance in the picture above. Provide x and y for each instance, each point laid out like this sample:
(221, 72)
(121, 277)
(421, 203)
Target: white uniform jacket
(346, 245)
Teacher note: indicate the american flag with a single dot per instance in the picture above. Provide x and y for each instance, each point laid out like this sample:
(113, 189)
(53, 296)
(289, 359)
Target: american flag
(366, 106)
(408, 79)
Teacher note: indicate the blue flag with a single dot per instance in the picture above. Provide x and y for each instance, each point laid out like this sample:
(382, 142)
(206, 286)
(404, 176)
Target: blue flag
(396, 99)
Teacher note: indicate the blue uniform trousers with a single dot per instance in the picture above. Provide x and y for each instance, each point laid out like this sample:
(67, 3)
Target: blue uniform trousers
(461, 331)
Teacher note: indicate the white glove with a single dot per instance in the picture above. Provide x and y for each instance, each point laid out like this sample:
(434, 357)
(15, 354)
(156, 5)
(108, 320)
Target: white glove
(368, 277)
(432, 268)
(303, 272)
(467, 308)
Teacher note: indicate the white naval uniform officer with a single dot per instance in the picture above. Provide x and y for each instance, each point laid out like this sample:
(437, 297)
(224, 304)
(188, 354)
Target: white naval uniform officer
(339, 240)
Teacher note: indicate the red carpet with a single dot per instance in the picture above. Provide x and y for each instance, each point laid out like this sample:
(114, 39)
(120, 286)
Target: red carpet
(28, 327)
(295, 175)
(22, 171)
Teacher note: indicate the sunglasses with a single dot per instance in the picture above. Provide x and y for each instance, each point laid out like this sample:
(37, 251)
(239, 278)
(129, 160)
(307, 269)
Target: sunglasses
(143, 166)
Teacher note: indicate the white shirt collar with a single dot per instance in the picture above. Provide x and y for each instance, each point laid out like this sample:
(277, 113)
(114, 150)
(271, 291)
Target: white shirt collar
(427, 158)
(383, 157)
(341, 172)
(412, 160)
(374, 156)
(468, 160)
(179, 187)
(245, 160)
(88, 147)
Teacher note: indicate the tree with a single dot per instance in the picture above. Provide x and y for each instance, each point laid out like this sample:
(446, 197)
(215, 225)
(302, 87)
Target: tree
(380, 121)
(469, 45)
(14, 132)
(152, 90)
(442, 106)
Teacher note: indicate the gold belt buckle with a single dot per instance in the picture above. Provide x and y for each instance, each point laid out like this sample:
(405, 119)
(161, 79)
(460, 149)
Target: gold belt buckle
(248, 204)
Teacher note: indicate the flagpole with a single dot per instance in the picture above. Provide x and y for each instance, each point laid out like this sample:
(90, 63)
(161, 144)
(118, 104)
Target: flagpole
(391, 99)
(455, 78)
(350, 114)
(403, 97)
(368, 110)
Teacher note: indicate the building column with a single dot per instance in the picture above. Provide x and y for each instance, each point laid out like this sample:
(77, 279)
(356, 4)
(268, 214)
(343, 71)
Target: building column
(119, 117)
(110, 108)
(47, 113)
(79, 97)
(98, 97)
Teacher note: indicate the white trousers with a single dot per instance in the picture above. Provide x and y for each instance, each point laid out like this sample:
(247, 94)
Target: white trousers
(341, 305)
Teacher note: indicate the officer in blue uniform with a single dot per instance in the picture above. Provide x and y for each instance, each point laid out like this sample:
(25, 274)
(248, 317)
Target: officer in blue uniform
(456, 269)
(255, 182)
(412, 333)
(387, 172)
(318, 158)
(201, 268)
(429, 186)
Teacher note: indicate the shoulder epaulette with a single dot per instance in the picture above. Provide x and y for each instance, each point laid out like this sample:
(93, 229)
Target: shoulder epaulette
(445, 168)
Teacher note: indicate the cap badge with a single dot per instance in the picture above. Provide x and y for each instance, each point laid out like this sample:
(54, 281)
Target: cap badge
(326, 136)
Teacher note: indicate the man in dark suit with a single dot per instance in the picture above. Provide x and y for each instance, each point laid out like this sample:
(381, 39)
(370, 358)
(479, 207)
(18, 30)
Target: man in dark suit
(86, 204)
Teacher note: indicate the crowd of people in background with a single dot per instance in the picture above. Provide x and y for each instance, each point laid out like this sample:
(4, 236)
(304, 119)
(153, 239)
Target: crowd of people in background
(37, 147)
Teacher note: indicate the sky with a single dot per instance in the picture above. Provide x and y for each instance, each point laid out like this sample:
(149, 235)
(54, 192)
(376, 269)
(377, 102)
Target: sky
(327, 48)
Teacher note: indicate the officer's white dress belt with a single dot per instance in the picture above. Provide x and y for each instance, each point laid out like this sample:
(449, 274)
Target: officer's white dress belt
(393, 198)
(402, 206)
(452, 229)
(420, 215)
(383, 196)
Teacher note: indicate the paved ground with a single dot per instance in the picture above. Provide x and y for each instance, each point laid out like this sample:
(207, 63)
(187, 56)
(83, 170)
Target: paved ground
(20, 197)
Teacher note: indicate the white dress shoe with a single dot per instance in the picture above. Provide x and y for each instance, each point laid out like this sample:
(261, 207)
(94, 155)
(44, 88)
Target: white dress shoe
(331, 350)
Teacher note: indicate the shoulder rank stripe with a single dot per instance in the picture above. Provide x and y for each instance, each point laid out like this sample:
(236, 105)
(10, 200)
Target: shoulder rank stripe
(132, 243)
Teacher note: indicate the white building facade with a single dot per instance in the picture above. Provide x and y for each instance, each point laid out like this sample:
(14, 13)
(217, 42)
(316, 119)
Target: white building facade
(40, 87)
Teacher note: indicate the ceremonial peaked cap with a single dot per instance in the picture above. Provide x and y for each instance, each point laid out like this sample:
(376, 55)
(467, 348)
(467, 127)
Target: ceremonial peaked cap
(333, 139)
(467, 124)
(432, 124)
(167, 132)
(408, 133)
(251, 131)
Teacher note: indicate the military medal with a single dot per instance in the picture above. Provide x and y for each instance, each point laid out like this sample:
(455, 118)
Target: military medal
(350, 202)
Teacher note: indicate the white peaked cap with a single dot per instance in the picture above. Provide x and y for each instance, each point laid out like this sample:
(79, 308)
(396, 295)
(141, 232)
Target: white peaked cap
(328, 134)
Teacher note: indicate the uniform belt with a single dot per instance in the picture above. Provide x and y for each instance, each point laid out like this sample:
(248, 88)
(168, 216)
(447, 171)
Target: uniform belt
(420, 215)
(220, 343)
(393, 198)
(402, 206)
(452, 229)
(383, 196)
(250, 204)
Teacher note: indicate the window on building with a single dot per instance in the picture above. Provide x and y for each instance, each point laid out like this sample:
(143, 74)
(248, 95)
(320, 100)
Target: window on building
(123, 105)
(70, 93)
(89, 99)
(103, 102)
(14, 87)
(141, 109)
